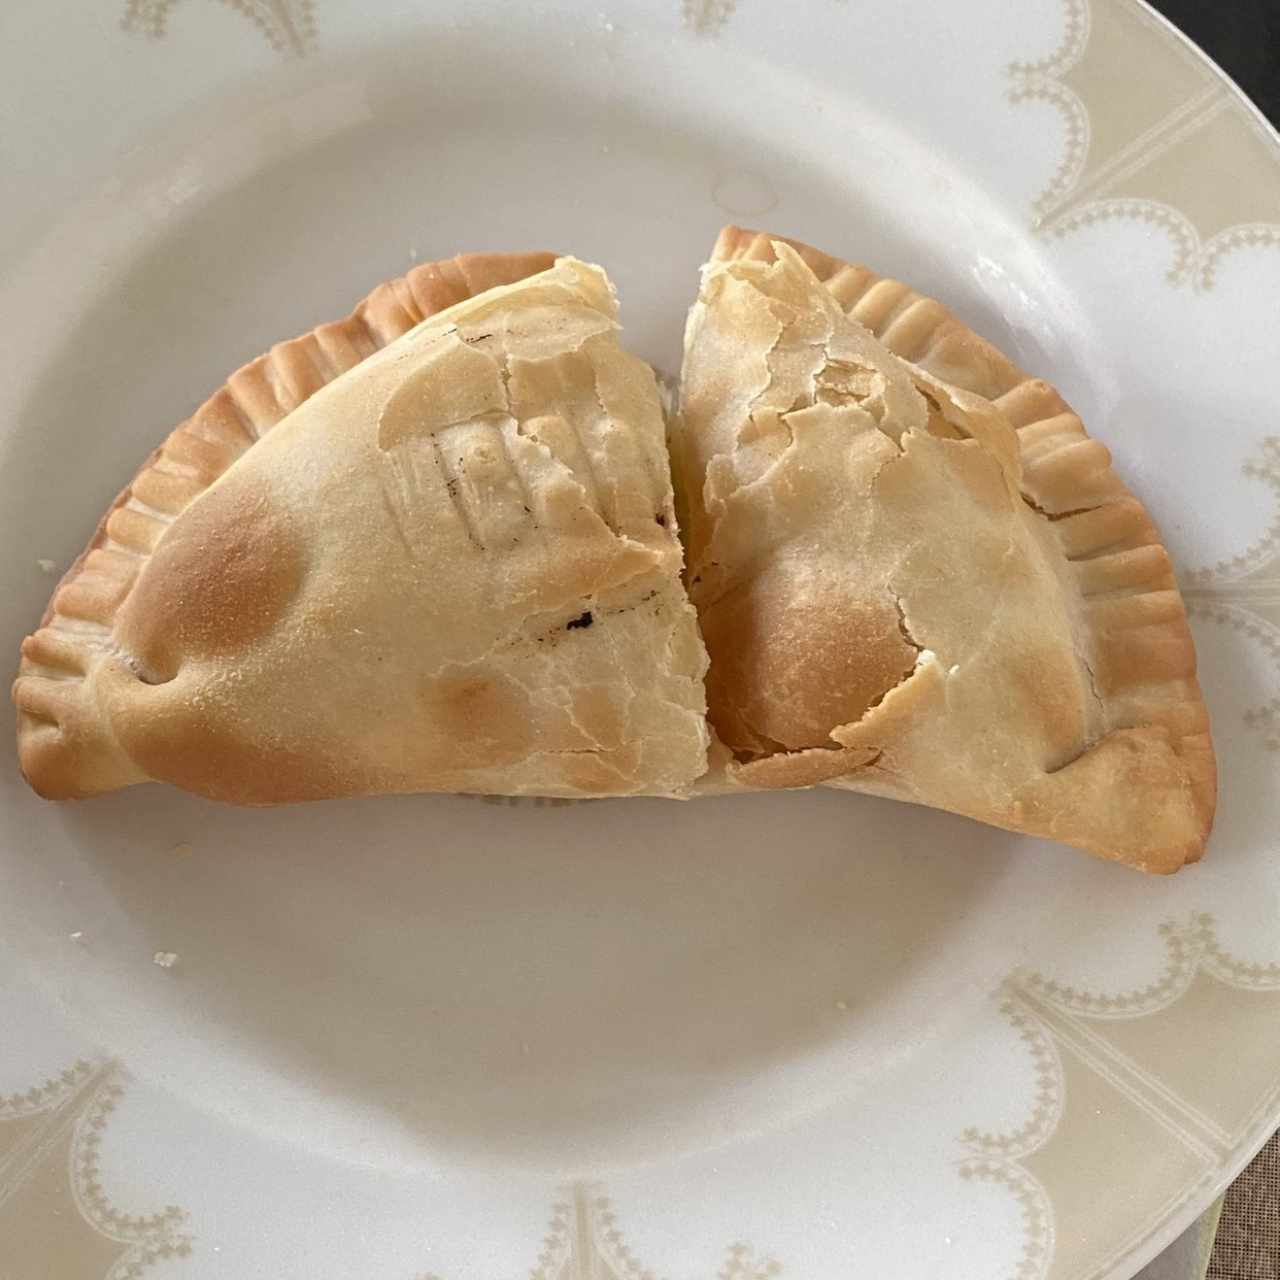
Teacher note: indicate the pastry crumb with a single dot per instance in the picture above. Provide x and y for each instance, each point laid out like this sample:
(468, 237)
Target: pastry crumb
(842, 1005)
(48, 566)
(183, 848)
(165, 959)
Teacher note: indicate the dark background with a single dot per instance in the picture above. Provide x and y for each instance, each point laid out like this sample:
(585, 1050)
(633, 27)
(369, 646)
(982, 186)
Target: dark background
(1242, 37)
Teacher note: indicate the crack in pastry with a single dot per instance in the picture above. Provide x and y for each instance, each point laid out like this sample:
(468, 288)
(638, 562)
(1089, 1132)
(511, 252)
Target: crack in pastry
(436, 547)
(968, 533)
(344, 607)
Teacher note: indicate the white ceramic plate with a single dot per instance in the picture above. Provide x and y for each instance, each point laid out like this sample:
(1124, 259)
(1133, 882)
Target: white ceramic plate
(807, 1033)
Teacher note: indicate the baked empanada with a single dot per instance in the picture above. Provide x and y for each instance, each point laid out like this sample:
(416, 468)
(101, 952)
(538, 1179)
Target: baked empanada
(452, 565)
(918, 577)
(453, 568)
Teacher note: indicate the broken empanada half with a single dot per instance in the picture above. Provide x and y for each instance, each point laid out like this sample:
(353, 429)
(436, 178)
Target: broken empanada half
(917, 576)
(452, 568)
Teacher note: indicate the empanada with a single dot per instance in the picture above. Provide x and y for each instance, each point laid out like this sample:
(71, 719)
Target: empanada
(923, 580)
(452, 565)
(453, 568)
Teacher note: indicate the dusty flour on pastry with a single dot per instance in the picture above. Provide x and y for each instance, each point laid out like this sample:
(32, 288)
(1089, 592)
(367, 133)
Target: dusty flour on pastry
(888, 603)
(435, 547)
(455, 568)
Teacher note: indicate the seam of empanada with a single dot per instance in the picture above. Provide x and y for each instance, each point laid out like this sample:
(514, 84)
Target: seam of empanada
(64, 747)
(1137, 647)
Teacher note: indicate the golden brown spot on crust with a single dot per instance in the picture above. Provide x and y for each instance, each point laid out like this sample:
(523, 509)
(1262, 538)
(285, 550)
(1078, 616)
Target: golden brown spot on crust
(481, 716)
(220, 578)
(785, 670)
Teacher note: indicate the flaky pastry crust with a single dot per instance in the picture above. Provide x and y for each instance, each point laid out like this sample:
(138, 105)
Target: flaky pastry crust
(391, 556)
(920, 577)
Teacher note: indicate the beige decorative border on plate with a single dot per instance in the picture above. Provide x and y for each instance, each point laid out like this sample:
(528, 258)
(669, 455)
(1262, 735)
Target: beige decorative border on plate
(1117, 1095)
(706, 16)
(288, 26)
(55, 1217)
(584, 1242)
(1244, 592)
(1137, 145)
